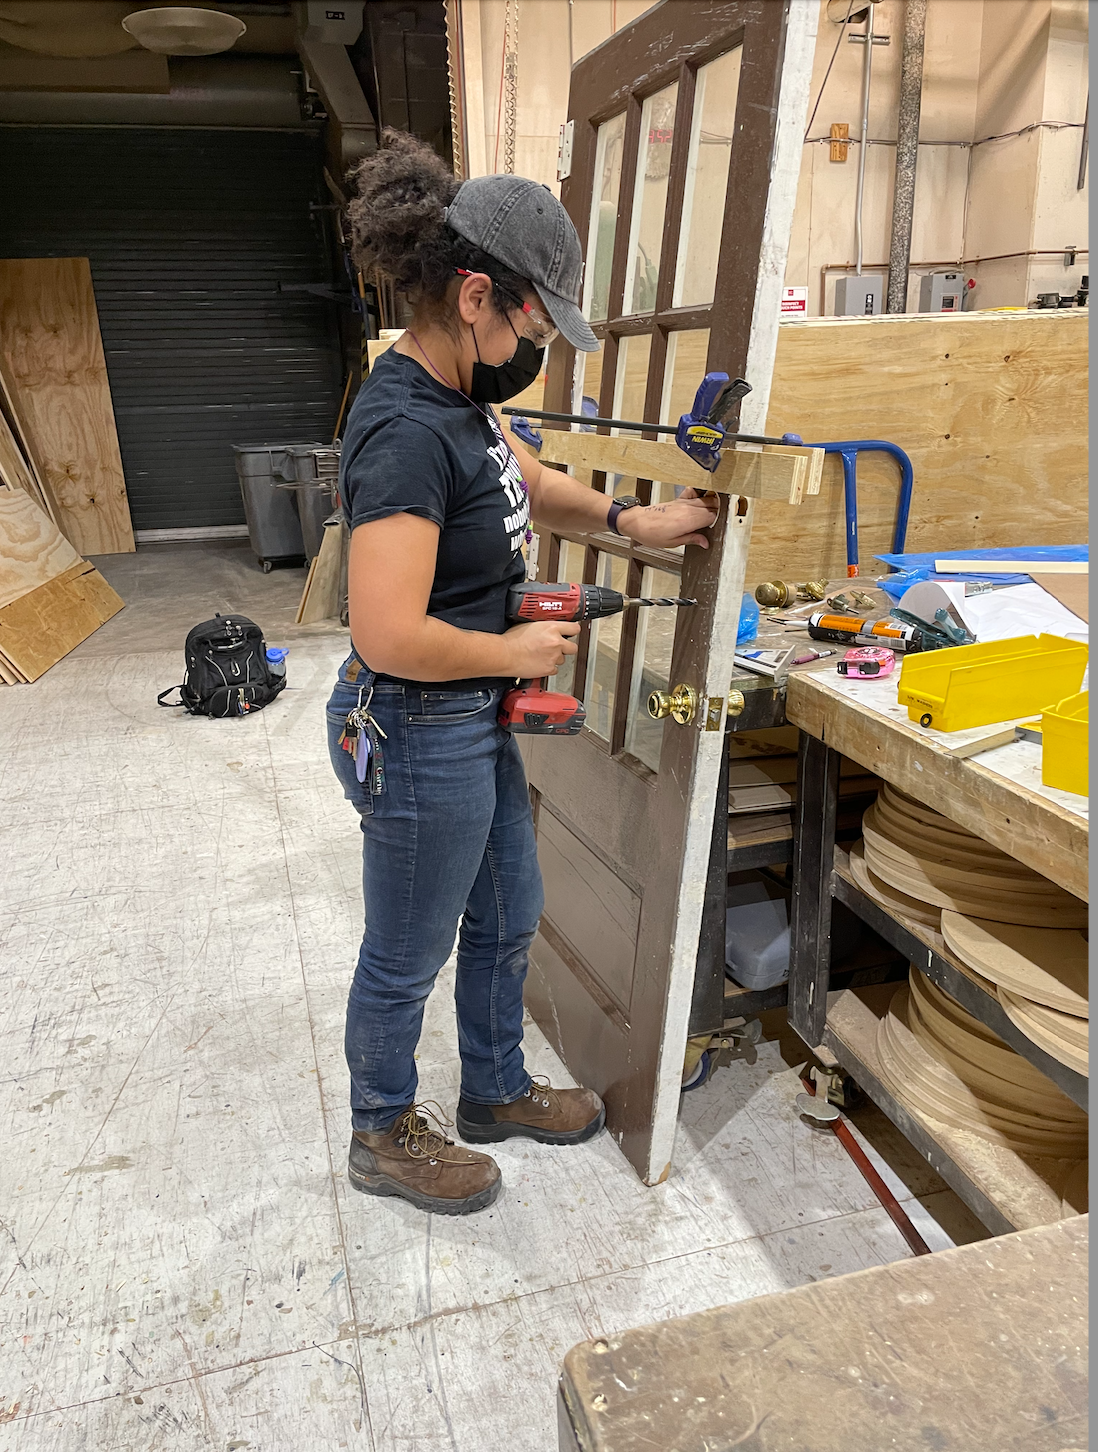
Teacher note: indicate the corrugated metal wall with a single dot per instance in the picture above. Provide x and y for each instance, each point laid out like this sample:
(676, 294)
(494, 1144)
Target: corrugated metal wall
(189, 233)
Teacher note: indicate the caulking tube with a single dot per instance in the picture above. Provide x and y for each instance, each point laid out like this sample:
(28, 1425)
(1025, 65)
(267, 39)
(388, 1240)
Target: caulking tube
(850, 630)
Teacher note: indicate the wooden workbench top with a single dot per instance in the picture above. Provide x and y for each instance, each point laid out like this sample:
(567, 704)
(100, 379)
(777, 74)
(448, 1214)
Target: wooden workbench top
(1040, 827)
(980, 1349)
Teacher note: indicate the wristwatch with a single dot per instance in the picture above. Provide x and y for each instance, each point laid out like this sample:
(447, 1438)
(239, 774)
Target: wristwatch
(626, 501)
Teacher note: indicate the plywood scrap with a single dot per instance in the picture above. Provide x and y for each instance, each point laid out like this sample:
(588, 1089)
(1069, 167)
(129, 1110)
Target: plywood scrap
(772, 471)
(52, 354)
(1072, 591)
(1011, 567)
(320, 598)
(33, 551)
(38, 629)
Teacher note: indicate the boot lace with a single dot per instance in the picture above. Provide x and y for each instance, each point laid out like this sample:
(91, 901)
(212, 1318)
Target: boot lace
(420, 1140)
(541, 1091)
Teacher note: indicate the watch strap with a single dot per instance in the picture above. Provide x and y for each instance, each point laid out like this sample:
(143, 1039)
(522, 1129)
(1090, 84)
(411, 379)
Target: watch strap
(619, 506)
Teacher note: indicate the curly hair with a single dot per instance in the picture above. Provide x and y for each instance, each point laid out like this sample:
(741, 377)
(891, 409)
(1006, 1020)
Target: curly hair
(398, 224)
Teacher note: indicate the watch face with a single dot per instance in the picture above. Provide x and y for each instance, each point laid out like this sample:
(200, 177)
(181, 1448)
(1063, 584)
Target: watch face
(627, 501)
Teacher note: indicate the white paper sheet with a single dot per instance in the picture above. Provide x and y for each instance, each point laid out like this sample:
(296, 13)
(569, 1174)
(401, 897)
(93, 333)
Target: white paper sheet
(1019, 610)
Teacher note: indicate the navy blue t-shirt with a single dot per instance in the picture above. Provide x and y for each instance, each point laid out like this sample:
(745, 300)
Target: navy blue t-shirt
(414, 446)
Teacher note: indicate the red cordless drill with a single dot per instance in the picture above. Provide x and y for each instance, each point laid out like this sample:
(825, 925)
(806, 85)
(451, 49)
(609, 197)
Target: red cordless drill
(530, 709)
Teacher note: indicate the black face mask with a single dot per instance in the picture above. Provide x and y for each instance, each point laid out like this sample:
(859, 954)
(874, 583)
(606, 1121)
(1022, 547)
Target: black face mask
(496, 383)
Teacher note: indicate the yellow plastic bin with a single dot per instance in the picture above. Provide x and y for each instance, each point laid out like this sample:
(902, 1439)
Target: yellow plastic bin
(974, 685)
(1064, 755)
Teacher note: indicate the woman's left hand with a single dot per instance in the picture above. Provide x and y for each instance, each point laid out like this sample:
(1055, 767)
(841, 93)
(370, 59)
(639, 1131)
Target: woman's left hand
(675, 523)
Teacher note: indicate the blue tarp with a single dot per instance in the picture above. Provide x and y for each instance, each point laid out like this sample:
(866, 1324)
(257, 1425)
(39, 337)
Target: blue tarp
(913, 568)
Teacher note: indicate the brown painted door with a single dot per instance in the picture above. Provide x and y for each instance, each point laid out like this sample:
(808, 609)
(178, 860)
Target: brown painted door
(687, 128)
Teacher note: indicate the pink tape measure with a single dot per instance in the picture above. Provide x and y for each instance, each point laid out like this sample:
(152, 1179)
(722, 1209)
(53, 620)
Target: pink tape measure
(867, 662)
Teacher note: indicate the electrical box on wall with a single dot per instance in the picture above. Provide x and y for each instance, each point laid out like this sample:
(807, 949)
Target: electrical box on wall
(331, 24)
(861, 296)
(942, 292)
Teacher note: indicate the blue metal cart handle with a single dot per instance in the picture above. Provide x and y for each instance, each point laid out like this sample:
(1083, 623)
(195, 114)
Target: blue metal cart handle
(850, 449)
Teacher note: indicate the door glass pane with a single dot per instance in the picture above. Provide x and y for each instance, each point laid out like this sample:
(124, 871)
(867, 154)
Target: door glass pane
(657, 136)
(651, 668)
(586, 392)
(630, 386)
(570, 568)
(711, 131)
(604, 218)
(602, 658)
(683, 371)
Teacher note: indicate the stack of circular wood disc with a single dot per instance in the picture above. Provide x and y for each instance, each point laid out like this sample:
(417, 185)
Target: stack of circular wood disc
(924, 855)
(922, 913)
(940, 1061)
(1039, 975)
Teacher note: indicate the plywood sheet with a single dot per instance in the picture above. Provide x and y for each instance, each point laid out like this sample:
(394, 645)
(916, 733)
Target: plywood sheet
(37, 630)
(53, 356)
(991, 408)
(27, 459)
(15, 472)
(32, 548)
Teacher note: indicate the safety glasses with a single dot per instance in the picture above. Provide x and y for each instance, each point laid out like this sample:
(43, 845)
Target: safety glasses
(544, 330)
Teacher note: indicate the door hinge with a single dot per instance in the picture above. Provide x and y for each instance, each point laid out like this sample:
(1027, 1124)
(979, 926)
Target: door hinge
(564, 151)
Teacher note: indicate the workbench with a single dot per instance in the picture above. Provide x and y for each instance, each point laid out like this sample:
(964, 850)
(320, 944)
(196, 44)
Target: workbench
(765, 839)
(997, 795)
(979, 1349)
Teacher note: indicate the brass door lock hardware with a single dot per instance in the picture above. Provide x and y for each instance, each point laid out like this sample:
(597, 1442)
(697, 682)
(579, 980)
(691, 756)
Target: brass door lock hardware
(681, 704)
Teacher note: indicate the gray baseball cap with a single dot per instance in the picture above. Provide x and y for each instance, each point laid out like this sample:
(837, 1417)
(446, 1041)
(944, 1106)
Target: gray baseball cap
(523, 225)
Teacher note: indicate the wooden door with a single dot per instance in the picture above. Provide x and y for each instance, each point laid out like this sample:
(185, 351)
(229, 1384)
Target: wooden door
(686, 149)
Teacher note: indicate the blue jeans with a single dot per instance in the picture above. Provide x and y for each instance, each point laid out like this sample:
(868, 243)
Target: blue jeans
(447, 835)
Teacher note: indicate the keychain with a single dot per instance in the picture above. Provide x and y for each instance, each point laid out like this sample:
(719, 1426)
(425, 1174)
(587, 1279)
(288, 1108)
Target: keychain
(360, 740)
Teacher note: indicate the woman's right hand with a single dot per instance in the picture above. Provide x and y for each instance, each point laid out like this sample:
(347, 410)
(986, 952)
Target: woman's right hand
(539, 647)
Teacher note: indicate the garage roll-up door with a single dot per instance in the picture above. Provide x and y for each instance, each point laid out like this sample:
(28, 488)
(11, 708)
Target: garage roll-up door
(189, 234)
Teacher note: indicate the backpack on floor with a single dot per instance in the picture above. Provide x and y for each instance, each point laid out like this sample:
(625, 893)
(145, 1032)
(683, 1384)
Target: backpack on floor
(227, 671)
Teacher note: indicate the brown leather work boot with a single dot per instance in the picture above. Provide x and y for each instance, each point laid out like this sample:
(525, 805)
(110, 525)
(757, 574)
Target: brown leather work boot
(420, 1165)
(551, 1116)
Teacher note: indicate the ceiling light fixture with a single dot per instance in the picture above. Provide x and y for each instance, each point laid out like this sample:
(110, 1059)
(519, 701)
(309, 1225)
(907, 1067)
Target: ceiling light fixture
(184, 30)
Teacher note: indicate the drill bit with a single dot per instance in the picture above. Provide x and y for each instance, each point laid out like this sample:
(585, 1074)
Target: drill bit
(658, 600)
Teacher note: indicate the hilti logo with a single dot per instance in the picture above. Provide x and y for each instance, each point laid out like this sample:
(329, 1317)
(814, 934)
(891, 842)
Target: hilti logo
(552, 604)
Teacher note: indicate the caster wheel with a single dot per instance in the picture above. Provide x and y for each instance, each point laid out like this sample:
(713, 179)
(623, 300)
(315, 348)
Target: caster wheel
(266, 566)
(700, 1075)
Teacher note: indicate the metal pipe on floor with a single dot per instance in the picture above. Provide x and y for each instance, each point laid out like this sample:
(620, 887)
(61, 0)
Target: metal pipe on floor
(907, 155)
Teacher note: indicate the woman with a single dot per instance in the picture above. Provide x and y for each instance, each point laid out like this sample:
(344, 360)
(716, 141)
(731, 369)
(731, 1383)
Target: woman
(439, 506)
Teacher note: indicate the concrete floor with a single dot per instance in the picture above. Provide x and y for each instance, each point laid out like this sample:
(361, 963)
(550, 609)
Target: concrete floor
(182, 1263)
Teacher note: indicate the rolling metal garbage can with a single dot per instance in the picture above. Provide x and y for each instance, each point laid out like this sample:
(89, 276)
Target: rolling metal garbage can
(288, 492)
(312, 472)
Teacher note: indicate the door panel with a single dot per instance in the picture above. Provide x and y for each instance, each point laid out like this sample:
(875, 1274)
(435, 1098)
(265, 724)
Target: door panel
(593, 911)
(687, 232)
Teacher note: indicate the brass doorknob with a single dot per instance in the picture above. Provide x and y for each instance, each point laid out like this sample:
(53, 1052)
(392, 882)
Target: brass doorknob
(681, 703)
(736, 702)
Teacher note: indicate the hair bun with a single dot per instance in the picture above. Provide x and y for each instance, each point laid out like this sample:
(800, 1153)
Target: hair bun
(399, 213)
